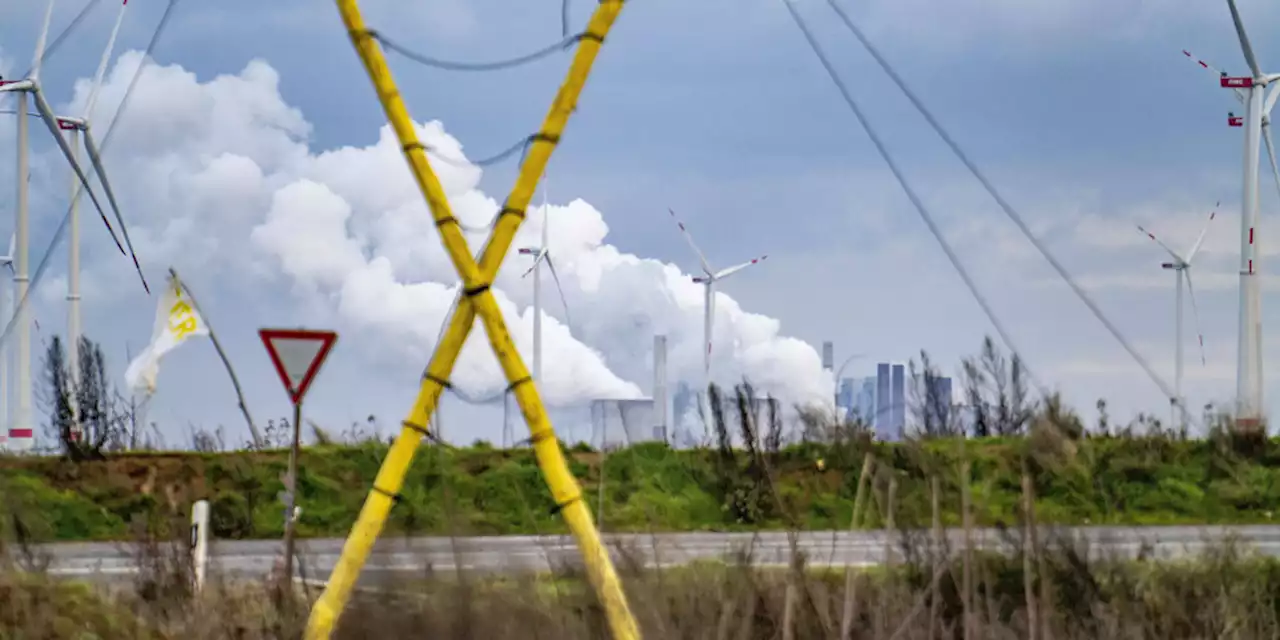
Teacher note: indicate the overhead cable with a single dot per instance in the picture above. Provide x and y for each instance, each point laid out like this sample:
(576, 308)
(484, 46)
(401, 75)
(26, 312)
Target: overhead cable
(106, 140)
(520, 145)
(1008, 209)
(453, 65)
(911, 194)
(62, 36)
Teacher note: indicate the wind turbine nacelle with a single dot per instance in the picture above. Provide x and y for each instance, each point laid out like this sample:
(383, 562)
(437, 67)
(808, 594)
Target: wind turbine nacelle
(701, 279)
(1166, 265)
(1235, 121)
(1229, 82)
(66, 125)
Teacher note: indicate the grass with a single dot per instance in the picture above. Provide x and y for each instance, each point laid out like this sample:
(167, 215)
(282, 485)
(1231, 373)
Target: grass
(1106, 480)
(1047, 585)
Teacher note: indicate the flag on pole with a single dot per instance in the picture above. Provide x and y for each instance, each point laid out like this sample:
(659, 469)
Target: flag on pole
(176, 320)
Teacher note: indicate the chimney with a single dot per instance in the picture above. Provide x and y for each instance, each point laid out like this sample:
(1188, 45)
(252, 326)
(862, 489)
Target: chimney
(828, 355)
(660, 386)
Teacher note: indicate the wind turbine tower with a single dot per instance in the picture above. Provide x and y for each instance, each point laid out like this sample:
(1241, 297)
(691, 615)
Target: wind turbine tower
(1181, 266)
(6, 311)
(75, 129)
(1250, 408)
(540, 254)
(708, 281)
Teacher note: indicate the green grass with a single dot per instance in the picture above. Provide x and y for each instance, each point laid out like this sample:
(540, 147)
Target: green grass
(480, 490)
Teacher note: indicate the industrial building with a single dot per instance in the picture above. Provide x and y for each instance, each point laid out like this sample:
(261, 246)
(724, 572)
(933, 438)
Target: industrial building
(880, 401)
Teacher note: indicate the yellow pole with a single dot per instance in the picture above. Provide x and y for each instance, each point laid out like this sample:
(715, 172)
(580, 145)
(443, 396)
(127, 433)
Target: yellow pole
(478, 300)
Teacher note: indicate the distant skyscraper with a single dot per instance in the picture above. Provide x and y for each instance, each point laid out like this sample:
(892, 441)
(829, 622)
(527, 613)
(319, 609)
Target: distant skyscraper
(884, 400)
(898, 404)
(844, 399)
(865, 400)
(938, 401)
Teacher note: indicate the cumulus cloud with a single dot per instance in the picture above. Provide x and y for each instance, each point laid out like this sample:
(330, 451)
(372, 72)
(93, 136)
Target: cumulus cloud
(219, 176)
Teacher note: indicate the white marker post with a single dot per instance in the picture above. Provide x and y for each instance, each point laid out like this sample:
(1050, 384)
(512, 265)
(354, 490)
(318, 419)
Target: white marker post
(199, 541)
(297, 355)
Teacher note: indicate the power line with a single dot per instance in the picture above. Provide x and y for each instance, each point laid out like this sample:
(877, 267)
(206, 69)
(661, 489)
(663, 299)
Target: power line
(521, 145)
(62, 36)
(1004, 204)
(106, 140)
(906, 187)
(453, 65)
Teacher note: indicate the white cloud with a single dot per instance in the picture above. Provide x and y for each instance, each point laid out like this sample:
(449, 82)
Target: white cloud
(218, 177)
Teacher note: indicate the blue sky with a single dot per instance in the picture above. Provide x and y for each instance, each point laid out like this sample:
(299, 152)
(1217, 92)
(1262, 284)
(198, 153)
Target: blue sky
(1085, 114)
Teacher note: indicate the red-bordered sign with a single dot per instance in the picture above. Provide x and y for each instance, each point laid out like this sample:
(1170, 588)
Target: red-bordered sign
(297, 355)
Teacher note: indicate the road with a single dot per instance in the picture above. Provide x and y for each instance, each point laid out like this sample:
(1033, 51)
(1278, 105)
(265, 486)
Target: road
(394, 558)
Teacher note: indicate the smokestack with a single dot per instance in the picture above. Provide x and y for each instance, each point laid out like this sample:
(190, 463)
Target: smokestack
(660, 385)
(828, 355)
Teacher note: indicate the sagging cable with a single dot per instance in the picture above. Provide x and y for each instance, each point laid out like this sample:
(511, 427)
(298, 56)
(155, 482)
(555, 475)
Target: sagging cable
(453, 65)
(1007, 208)
(925, 215)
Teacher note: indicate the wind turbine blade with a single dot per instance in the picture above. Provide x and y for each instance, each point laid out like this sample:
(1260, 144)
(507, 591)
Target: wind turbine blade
(50, 121)
(13, 237)
(1244, 39)
(536, 259)
(1157, 241)
(546, 212)
(706, 267)
(96, 159)
(555, 276)
(1195, 248)
(102, 64)
(40, 42)
(1205, 65)
(1271, 155)
(1195, 313)
(1269, 105)
(739, 267)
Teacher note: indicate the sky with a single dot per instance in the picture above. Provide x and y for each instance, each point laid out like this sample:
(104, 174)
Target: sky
(254, 158)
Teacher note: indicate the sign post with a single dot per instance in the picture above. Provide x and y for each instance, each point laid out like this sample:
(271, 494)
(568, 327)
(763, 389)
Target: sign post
(297, 355)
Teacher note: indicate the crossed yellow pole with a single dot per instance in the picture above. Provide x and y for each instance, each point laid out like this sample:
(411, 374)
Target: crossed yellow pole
(477, 299)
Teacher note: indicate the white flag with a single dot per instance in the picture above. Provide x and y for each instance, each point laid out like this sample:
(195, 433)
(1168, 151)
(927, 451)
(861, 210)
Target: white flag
(176, 320)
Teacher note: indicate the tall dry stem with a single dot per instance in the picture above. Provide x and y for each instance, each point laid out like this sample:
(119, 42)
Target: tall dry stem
(850, 611)
(966, 510)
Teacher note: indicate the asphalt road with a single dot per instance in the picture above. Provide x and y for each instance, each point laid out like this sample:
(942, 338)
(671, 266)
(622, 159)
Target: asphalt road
(395, 558)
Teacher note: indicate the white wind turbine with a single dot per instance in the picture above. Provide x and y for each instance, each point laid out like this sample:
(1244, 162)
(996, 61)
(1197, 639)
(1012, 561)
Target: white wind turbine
(542, 253)
(1251, 89)
(21, 434)
(1181, 266)
(708, 281)
(5, 311)
(77, 128)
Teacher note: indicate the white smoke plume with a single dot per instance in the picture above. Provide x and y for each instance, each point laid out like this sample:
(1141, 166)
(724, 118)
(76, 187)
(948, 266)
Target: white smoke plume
(220, 175)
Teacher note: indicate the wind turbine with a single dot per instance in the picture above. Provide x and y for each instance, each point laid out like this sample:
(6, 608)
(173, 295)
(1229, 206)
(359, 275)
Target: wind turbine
(1252, 91)
(540, 254)
(6, 412)
(1181, 266)
(76, 128)
(21, 434)
(708, 281)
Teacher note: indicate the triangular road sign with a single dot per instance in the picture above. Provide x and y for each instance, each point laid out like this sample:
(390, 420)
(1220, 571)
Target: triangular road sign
(297, 355)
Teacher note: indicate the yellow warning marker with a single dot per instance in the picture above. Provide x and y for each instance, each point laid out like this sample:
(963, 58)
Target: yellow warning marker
(477, 300)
